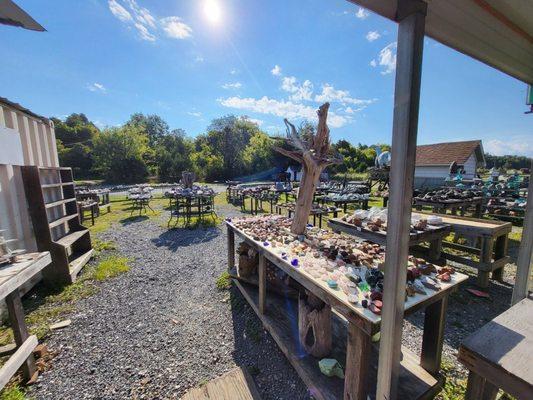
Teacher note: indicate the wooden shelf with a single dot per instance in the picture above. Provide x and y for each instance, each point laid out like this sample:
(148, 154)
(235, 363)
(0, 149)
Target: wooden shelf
(59, 203)
(62, 220)
(278, 320)
(74, 240)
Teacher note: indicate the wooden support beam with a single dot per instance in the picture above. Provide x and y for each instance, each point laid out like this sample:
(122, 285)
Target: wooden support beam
(261, 270)
(523, 263)
(358, 350)
(20, 331)
(231, 248)
(411, 15)
(433, 337)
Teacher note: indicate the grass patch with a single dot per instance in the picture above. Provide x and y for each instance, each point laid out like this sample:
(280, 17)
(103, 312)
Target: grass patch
(102, 245)
(13, 393)
(110, 267)
(224, 281)
(454, 387)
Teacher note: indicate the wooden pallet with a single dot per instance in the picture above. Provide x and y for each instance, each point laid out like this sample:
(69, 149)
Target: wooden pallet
(237, 384)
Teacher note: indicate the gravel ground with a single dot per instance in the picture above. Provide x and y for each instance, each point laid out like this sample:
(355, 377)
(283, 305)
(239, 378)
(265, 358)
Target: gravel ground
(163, 327)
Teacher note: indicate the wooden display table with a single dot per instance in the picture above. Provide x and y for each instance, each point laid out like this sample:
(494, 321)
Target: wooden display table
(314, 212)
(12, 277)
(433, 235)
(353, 328)
(453, 205)
(488, 240)
(499, 355)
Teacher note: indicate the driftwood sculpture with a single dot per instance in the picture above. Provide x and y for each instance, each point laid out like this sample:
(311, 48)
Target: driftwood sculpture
(313, 154)
(314, 316)
(187, 179)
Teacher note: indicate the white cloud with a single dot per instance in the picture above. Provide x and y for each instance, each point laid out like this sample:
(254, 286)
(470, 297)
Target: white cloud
(256, 121)
(199, 59)
(118, 11)
(175, 28)
(282, 108)
(521, 145)
(235, 85)
(129, 12)
(299, 92)
(96, 87)
(144, 33)
(386, 59)
(276, 71)
(234, 72)
(196, 114)
(362, 13)
(372, 35)
(329, 93)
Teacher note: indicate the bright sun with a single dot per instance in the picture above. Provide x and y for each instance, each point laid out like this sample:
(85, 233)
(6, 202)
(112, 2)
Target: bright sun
(212, 11)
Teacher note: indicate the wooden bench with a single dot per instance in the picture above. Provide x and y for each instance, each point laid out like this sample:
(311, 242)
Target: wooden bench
(12, 278)
(237, 384)
(499, 355)
(492, 239)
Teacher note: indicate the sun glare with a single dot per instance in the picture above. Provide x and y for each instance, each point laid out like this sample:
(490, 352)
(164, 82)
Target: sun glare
(212, 11)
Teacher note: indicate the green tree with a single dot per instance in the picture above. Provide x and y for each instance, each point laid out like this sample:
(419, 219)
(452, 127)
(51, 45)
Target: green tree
(174, 156)
(259, 154)
(207, 163)
(119, 154)
(154, 126)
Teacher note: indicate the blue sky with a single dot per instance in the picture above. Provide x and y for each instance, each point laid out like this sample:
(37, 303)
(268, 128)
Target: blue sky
(266, 60)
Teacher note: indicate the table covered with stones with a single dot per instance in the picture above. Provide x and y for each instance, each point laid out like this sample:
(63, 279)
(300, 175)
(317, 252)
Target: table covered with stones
(353, 327)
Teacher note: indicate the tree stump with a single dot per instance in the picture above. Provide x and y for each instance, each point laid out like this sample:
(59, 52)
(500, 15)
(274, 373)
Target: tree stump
(187, 178)
(314, 324)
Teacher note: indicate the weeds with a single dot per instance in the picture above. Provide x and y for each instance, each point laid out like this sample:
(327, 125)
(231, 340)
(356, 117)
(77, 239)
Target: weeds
(110, 267)
(224, 281)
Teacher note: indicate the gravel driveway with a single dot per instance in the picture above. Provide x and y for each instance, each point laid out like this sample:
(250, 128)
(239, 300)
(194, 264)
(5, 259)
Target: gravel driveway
(163, 327)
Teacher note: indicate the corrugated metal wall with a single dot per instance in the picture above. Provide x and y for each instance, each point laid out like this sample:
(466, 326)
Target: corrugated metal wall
(39, 148)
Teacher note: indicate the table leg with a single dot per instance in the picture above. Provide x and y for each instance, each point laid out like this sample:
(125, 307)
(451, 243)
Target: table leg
(485, 258)
(478, 210)
(358, 350)
(435, 248)
(432, 338)
(500, 251)
(20, 331)
(262, 283)
(478, 388)
(345, 207)
(231, 248)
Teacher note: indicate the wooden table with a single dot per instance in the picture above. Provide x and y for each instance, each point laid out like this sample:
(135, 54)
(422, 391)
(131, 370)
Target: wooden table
(500, 355)
(12, 277)
(434, 235)
(488, 239)
(353, 328)
(453, 205)
(314, 212)
(91, 207)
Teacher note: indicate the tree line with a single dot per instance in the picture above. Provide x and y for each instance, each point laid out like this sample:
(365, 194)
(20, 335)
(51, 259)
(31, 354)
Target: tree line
(145, 146)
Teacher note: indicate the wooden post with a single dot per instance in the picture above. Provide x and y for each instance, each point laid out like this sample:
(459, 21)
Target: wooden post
(478, 388)
(433, 336)
(359, 346)
(20, 331)
(485, 258)
(523, 263)
(435, 249)
(261, 270)
(411, 15)
(500, 251)
(231, 248)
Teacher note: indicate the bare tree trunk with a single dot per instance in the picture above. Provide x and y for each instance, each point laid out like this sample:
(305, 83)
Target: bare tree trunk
(314, 325)
(304, 203)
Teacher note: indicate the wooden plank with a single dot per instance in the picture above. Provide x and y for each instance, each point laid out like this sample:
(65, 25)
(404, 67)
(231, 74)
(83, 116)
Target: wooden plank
(231, 248)
(236, 384)
(59, 202)
(357, 360)
(77, 264)
(415, 382)
(261, 270)
(411, 16)
(433, 336)
(71, 238)
(26, 272)
(501, 350)
(20, 331)
(62, 220)
(16, 360)
(523, 263)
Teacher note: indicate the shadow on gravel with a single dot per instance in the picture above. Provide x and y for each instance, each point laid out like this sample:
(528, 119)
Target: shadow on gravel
(467, 313)
(133, 219)
(175, 238)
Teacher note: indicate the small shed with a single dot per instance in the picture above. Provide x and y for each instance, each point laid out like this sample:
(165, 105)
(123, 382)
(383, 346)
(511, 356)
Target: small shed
(433, 161)
(295, 173)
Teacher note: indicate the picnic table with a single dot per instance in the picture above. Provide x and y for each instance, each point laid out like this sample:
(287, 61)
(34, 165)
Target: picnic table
(453, 205)
(434, 235)
(353, 329)
(12, 277)
(499, 355)
(488, 240)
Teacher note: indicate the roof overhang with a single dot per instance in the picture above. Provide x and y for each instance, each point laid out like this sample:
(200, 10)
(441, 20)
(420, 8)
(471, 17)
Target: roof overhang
(11, 14)
(498, 33)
